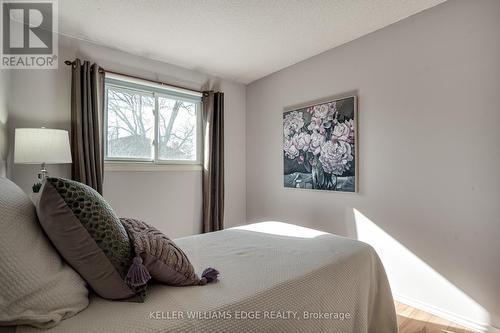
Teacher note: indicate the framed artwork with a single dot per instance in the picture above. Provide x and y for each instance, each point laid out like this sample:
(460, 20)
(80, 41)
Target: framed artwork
(320, 145)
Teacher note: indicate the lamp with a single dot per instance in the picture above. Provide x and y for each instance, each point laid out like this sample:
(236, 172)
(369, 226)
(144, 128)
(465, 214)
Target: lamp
(41, 146)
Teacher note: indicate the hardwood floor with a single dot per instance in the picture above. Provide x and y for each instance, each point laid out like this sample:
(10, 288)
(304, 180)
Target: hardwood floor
(411, 320)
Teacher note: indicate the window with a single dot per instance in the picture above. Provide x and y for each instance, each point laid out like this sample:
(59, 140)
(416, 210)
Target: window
(151, 124)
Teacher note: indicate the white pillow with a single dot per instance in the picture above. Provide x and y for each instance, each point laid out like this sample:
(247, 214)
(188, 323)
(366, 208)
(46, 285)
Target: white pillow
(36, 287)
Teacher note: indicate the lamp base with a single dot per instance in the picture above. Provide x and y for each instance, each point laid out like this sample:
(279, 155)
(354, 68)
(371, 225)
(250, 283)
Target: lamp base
(43, 173)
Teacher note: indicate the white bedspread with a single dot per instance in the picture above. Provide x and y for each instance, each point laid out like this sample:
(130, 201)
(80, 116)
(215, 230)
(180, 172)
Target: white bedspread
(275, 277)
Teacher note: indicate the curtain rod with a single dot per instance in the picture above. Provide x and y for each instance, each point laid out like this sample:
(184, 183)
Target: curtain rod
(70, 63)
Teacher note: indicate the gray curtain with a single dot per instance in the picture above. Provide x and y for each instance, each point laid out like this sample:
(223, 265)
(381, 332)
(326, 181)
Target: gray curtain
(87, 103)
(213, 171)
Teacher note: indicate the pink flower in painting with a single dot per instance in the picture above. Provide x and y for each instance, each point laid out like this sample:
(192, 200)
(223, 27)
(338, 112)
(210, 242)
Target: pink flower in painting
(324, 111)
(316, 124)
(292, 123)
(323, 116)
(303, 141)
(321, 111)
(343, 131)
(290, 147)
(335, 157)
(317, 140)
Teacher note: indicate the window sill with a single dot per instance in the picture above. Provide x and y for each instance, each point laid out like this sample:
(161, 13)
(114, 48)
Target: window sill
(148, 167)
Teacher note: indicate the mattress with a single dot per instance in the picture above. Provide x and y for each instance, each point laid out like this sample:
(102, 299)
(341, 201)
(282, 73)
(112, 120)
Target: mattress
(275, 277)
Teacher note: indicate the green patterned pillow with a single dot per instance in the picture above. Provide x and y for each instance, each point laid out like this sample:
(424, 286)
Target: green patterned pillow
(88, 234)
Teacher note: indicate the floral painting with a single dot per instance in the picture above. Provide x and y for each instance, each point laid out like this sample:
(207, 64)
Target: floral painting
(319, 146)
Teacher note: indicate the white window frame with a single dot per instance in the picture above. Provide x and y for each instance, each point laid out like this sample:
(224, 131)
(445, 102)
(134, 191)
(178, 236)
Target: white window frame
(119, 82)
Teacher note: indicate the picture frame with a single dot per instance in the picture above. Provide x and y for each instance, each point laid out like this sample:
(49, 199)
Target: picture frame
(320, 144)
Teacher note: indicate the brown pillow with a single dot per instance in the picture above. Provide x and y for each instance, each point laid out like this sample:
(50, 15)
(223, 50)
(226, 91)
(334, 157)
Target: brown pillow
(163, 260)
(87, 233)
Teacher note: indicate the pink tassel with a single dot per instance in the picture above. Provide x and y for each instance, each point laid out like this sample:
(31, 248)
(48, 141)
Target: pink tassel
(138, 274)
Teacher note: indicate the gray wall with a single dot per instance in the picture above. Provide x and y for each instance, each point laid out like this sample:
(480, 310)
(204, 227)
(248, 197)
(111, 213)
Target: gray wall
(429, 134)
(4, 87)
(171, 200)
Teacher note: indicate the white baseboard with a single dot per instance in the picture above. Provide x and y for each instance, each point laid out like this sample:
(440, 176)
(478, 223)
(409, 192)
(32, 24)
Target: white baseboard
(453, 317)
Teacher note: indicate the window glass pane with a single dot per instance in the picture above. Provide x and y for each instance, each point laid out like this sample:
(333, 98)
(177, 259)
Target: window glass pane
(177, 129)
(130, 124)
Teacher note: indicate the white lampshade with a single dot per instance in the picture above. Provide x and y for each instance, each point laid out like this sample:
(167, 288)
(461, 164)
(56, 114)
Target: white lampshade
(41, 145)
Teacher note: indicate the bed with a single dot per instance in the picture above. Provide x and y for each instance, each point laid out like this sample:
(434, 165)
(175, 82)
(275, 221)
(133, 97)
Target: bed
(275, 277)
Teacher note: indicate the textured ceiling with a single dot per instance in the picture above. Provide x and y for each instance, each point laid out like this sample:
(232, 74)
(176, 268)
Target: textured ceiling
(242, 40)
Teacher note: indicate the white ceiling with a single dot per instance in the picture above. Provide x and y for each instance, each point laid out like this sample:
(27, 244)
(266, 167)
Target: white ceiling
(242, 40)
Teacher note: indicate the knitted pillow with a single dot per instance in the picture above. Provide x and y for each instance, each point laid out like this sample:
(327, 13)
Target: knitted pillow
(158, 257)
(88, 234)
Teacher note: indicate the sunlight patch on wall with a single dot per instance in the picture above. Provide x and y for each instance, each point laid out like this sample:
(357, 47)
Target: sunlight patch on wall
(411, 279)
